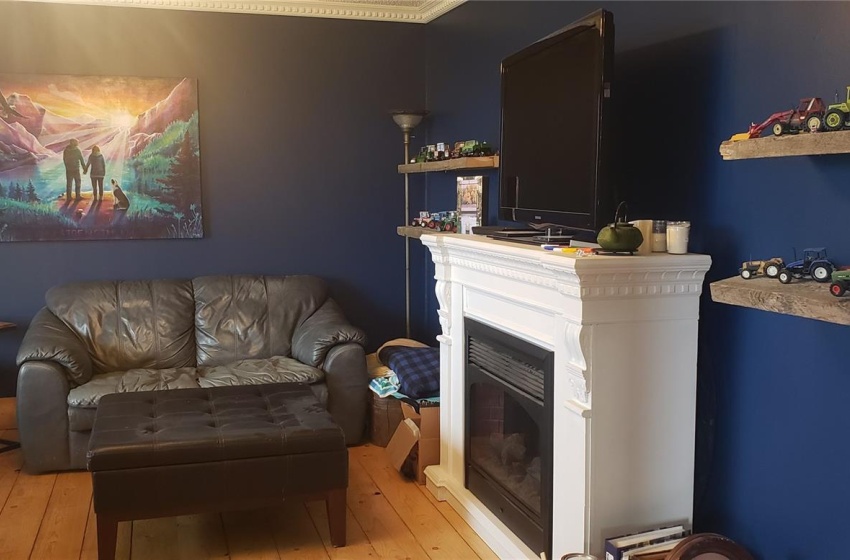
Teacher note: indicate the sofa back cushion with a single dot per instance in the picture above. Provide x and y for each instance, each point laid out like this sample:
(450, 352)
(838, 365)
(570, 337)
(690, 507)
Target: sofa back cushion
(130, 324)
(242, 317)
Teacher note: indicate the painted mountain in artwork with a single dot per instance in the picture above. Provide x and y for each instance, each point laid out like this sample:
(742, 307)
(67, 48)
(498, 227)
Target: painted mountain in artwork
(180, 104)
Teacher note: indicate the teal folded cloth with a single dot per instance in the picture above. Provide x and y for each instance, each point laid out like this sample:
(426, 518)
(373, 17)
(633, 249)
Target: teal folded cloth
(385, 386)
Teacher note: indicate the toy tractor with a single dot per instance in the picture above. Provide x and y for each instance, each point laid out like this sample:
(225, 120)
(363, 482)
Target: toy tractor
(422, 156)
(840, 282)
(814, 264)
(473, 148)
(807, 116)
(838, 115)
(768, 267)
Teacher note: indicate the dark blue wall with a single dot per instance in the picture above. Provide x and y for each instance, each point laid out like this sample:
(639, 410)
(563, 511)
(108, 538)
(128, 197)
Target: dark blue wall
(772, 421)
(298, 163)
(298, 151)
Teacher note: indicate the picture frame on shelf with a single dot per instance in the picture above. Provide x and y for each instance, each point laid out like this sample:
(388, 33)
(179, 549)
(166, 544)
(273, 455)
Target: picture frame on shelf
(471, 200)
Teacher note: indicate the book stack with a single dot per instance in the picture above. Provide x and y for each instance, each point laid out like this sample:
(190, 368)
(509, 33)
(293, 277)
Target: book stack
(648, 545)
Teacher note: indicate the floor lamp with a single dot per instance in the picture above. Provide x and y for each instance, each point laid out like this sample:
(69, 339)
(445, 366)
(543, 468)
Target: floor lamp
(407, 121)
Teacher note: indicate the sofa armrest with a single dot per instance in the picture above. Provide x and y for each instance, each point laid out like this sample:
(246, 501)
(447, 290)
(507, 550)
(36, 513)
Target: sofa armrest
(323, 330)
(42, 403)
(49, 339)
(348, 389)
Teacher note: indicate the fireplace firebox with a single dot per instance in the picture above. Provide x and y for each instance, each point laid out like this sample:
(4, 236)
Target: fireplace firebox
(508, 439)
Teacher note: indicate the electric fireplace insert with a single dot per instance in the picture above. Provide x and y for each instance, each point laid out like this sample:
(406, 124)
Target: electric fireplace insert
(508, 440)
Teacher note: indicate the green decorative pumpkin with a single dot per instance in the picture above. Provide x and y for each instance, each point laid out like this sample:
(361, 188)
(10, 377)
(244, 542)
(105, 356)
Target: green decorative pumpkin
(621, 236)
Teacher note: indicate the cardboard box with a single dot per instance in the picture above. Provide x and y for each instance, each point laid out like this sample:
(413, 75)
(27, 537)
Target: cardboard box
(417, 438)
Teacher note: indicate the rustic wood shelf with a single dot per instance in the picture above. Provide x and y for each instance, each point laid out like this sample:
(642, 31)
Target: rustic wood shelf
(416, 232)
(802, 298)
(802, 144)
(486, 162)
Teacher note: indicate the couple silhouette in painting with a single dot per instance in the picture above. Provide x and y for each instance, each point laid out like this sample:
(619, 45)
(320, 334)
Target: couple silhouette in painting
(73, 158)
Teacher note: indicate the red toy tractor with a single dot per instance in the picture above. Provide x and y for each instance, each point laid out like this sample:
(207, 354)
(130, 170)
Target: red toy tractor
(808, 116)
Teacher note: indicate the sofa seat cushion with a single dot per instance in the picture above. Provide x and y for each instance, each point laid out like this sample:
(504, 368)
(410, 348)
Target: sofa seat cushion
(88, 394)
(277, 369)
(83, 400)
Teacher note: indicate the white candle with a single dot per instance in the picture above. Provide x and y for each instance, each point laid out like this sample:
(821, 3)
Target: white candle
(677, 237)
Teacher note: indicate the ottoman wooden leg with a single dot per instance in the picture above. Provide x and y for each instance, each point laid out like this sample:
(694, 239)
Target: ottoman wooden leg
(335, 501)
(107, 536)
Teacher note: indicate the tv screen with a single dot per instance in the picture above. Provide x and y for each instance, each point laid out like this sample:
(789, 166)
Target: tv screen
(555, 98)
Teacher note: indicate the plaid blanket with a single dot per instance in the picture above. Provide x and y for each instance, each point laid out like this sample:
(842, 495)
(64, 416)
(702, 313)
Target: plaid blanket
(418, 369)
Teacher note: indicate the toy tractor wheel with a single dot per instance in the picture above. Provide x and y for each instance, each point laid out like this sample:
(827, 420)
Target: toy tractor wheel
(746, 274)
(778, 129)
(834, 120)
(771, 270)
(837, 289)
(814, 123)
(784, 276)
(821, 272)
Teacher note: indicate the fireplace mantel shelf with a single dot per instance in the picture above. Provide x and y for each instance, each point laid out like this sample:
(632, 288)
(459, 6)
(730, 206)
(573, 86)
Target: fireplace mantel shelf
(623, 332)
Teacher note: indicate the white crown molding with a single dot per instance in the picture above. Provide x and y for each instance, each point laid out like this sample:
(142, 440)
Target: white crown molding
(401, 11)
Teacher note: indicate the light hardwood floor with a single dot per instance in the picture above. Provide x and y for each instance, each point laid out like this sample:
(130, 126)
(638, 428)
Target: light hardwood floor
(49, 517)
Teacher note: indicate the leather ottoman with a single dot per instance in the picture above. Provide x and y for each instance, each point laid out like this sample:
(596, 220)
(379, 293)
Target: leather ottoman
(186, 451)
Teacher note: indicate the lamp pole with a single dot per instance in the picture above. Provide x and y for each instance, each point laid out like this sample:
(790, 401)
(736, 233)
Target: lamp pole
(407, 120)
(406, 238)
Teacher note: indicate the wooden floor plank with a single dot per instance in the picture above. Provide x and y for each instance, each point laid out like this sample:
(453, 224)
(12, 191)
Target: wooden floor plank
(462, 527)
(62, 530)
(155, 539)
(389, 536)
(433, 532)
(295, 534)
(52, 517)
(10, 464)
(249, 535)
(8, 420)
(201, 537)
(357, 545)
(122, 548)
(22, 514)
(456, 522)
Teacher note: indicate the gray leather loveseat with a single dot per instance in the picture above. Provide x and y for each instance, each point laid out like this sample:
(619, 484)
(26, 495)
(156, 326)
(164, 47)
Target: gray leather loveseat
(96, 338)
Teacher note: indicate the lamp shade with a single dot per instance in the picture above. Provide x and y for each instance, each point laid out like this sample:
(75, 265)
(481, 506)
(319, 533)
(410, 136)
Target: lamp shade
(408, 120)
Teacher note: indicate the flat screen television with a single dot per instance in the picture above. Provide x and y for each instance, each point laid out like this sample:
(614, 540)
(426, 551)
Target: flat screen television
(554, 139)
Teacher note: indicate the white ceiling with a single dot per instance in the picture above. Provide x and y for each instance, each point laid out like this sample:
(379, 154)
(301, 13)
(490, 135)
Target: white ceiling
(408, 11)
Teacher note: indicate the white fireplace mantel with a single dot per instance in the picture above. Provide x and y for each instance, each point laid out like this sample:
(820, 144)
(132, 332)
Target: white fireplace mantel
(624, 333)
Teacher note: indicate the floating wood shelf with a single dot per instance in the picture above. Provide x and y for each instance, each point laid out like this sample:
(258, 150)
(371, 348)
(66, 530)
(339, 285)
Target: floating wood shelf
(416, 232)
(487, 162)
(6, 325)
(802, 298)
(802, 144)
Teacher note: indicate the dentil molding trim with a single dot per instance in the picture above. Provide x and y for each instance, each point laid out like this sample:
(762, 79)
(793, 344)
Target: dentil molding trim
(400, 11)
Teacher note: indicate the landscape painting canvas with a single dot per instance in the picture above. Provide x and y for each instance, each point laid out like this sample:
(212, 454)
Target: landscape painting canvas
(94, 157)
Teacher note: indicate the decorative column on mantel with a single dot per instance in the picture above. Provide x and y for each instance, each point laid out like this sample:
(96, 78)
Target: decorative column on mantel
(624, 333)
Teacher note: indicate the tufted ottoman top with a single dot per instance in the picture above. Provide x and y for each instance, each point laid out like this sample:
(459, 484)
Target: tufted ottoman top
(181, 426)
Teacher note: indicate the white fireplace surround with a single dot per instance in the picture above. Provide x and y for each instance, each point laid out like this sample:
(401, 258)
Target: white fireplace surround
(624, 333)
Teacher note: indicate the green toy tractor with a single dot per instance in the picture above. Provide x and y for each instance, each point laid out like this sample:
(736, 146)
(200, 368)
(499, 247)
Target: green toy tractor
(840, 282)
(838, 115)
(474, 148)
